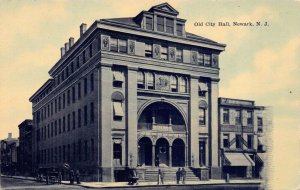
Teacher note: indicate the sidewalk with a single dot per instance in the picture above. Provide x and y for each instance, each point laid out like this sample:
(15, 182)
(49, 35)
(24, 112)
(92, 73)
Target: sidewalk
(149, 184)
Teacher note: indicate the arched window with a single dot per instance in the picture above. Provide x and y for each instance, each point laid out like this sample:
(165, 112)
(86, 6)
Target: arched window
(174, 84)
(150, 80)
(141, 80)
(182, 84)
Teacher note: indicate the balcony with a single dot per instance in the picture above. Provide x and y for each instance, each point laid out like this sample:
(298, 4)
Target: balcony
(160, 127)
(237, 128)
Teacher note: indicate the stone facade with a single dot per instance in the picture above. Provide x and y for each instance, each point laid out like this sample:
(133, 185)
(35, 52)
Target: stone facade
(130, 92)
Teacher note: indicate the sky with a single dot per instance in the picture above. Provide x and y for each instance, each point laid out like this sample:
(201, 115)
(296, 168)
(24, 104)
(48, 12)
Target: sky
(259, 63)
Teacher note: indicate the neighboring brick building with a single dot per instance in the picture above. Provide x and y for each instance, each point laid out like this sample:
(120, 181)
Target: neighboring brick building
(25, 148)
(128, 91)
(243, 137)
(9, 155)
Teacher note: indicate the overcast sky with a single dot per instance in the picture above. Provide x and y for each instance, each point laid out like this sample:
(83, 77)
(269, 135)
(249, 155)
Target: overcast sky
(259, 63)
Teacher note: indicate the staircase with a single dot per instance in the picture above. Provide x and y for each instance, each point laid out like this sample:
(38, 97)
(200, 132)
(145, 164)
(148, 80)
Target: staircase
(151, 174)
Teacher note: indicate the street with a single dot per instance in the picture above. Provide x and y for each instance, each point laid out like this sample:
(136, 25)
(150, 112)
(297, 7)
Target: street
(11, 183)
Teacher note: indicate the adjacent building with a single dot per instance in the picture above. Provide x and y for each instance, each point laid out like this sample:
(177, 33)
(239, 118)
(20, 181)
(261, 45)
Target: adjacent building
(25, 148)
(9, 155)
(128, 91)
(243, 137)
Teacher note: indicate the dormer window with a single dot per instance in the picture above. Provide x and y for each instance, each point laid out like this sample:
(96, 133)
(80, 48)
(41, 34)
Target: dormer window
(149, 23)
(179, 29)
(160, 23)
(170, 25)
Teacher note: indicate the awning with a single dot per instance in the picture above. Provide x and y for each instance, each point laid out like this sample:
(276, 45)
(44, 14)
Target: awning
(203, 87)
(238, 159)
(118, 110)
(118, 76)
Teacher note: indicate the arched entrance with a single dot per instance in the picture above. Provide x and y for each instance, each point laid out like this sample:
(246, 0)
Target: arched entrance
(178, 153)
(162, 152)
(145, 152)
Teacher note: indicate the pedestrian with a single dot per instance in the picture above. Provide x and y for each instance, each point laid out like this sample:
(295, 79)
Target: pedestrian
(183, 174)
(160, 179)
(71, 176)
(157, 161)
(178, 175)
(77, 176)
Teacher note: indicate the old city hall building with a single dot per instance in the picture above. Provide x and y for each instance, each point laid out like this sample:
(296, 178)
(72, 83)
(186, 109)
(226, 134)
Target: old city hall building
(130, 91)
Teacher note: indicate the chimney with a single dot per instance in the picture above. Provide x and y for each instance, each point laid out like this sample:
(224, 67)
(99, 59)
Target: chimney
(62, 51)
(9, 135)
(82, 29)
(71, 42)
(66, 47)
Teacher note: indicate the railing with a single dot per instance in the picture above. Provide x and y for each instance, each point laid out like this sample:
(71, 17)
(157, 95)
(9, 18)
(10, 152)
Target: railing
(160, 127)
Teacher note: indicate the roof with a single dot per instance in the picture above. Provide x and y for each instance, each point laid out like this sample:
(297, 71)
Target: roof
(125, 20)
(41, 89)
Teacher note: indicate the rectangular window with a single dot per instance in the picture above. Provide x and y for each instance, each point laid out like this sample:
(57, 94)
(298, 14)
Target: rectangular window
(148, 50)
(74, 152)
(48, 110)
(68, 97)
(249, 117)
(201, 116)
(179, 29)
(73, 94)
(170, 25)
(225, 115)
(92, 149)
(92, 113)
(79, 118)
(207, 60)
(114, 44)
(78, 63)
(85, 86)
(55, 105)
(64, 153)
(59, 153)
(72, 67)
(69, 122)
(250, 141)
(83, 56)
(79, 91)
(59, 103)
(79, 150)
(92, 82)
(117, 153)
(238, 141)
(51, 108)
(179, 55)
(202, 155)
(68, 153)
(238, 117)
(85, 115)
(118, 110)
(64, 101)
(67, 72)
(85, 150)
(164, 53)
(52, 129)
(59, 126)
(74, 119)
(149, 23)
(91, 50)
(150, 81)
(174, 84)
(226, 141)
(64, 124)
(123, 46)
(55, 127)
(160, 23)
(48, 130)
(259, 125)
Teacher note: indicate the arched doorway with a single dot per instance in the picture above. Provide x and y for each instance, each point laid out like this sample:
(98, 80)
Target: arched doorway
(178, 153)
(145, 152)
(162, 152)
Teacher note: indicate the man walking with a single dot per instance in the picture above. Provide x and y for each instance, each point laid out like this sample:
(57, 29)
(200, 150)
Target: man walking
(183, 174)
(178, 175)
(160, 179)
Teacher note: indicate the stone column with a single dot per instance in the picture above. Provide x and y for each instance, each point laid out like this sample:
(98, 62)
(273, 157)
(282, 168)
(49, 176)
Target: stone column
(105, 121)
(194, 124)
(131, 116)
(214, 161)
(153, 155)
(170, 156)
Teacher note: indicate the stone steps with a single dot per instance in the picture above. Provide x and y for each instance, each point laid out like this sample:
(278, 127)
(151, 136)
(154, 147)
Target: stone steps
(151, 174)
